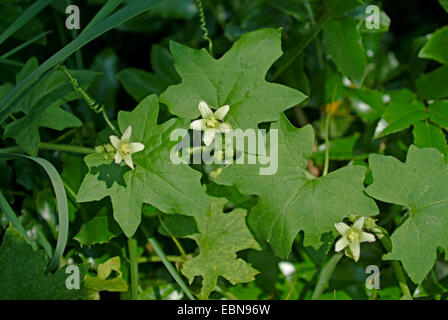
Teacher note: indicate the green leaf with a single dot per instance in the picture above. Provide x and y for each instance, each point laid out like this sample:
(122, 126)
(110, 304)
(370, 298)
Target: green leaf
(341, 7)
(291, 201)
(427, 135)
(340, 149)
(420, 186)
(236, 79)
(437, 47)
(26, 16)
(171, 188)
(23, 275)
(438, 113)
(344, 43)
(102, 282)
(403, 111)
(433, 85)
(384, 24)
(25, 131)
(368, 104)
(221, 235)
(444, 4)
(42, 106)
(9, 103)
(139, 83)
(100, 229)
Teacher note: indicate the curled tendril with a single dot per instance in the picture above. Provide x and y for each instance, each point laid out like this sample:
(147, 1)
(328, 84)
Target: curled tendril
(92, 103)
(203, 26)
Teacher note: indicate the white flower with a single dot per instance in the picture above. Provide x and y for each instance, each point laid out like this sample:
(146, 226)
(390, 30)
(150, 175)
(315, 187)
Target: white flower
(352, 238)
(211, 122)
(125, 148)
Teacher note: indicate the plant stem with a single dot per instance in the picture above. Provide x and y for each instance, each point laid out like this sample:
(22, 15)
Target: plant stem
(176, 242)
(325, 275)
(320, 59)
(175, 259)
(111, 126)
(327, 143)
(383, 236)
(153, 242)
(133, 265)
(52, 146)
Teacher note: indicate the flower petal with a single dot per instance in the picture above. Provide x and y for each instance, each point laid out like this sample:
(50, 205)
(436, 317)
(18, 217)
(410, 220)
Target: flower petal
(118, 158)
(208, 137)
(205, 111)
(136, 147)
(341, 244)
(221, 112)
(355, 250)
(198, 125)
(366, 237)
(128, 161)
(114, 140)
(127, 134)
(224, 127)
(359, 223)
(342, 228)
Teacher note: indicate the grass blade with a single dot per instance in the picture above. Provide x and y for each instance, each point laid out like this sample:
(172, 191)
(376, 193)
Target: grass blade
(104, 12)
(128, 12)
(29, 13)
(62, 206)
(25, 44)
(11, 216)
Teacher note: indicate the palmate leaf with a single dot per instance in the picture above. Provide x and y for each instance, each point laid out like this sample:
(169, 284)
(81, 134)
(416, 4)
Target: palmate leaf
(102, 282)
(236, 79)
(420, 185)
(23, 275)
(42, 106)
(291, 201)
(155, 180)
(221, 235)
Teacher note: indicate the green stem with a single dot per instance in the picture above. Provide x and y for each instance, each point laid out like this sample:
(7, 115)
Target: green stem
(384, 237)
(176, 242)
(153, 242)
(175, 259)
(325, 275)
(133, 265)
(320, 58)
(111, 126)
(295, 52)
(327, 143)
(52, 146)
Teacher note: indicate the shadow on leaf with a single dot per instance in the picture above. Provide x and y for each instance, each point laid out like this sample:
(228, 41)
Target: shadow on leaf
(111, 173)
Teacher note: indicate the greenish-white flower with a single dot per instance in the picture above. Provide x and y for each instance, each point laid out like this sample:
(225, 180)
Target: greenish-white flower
(211, 122)
(352, 238)
(124, 148)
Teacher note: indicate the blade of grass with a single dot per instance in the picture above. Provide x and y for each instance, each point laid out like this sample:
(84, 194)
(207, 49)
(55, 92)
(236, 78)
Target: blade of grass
(103, 13)
(62, 206)
(26, 44)
(26, 16)
(167, 264)
(128, 12)
(11, 216)
(11, 62)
